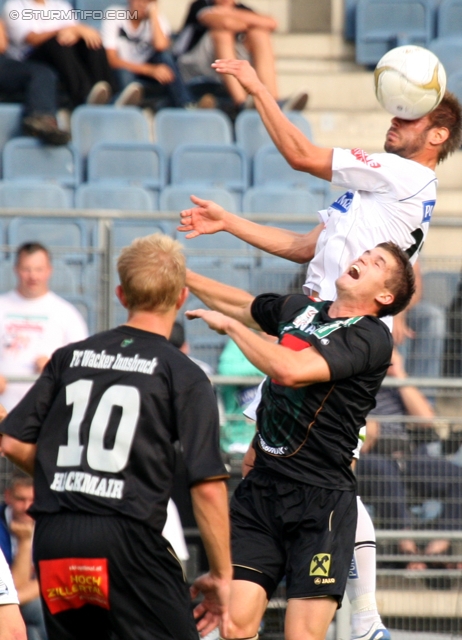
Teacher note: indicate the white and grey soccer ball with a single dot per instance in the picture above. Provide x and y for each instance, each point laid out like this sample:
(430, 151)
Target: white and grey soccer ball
(410, 82)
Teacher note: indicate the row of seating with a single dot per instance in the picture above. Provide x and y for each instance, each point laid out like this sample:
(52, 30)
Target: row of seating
(379, 25)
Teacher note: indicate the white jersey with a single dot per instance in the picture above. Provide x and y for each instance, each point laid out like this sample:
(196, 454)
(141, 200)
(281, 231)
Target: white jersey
(389, 198)
(8, 593)
(31, 328)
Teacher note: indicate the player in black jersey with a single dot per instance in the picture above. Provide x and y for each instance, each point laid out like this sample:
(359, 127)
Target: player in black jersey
(295, 512)
(97, 431)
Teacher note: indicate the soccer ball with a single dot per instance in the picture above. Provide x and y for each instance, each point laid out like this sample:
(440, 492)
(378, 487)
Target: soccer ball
(410, 82)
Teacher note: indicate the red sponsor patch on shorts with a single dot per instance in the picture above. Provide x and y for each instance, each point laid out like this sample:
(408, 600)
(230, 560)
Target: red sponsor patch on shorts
(71, 583)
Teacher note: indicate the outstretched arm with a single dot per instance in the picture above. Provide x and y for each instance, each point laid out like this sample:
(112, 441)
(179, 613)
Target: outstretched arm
(229, 300)
(207, 217)
(290, 368)
(299, 152)
(21, 453)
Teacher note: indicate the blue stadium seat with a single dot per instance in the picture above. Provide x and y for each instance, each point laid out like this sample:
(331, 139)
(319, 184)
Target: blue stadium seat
(124, 231)
(449, 51)
(177, 198)
(349, 23)
(251, 134)
(449, 18)
(455, 84)
(384, 24)
(132, 163)
(203, 126)
(10, 123)
(279, 200)
(93, 124)
(86, 306)
(223, 166)
(27, 195)
(270, 168)
(121, 197)
(53, 232)
(28, 159)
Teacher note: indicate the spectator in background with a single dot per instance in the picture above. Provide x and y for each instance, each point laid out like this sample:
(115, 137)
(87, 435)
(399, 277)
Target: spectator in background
(392, 466)
(33, 322)
(137, 50)
(74, 50)
(37, 86)
(227, 29)
(16, 531)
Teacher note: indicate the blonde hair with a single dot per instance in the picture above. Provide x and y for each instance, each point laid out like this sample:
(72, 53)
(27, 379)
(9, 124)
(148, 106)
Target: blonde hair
(152, 272)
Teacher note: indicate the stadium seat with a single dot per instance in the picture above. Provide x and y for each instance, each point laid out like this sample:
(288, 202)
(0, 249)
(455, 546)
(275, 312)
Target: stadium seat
(10, 124)
(52, 232)
(86, 306)
(124, 231)
(279, 200)
(131, 163)
(29, 159)
(27, 195)
(449, 51)
(223, 166)
(177, 197)
(174, 127)
(349, 23)
(93, 124)
(251, 134)
(121, 197)
(384, 24)
(270, 168)
(449, 22)
(455, 84)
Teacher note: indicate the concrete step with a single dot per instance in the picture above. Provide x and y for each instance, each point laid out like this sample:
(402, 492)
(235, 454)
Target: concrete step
(313, 66)
(313, 46)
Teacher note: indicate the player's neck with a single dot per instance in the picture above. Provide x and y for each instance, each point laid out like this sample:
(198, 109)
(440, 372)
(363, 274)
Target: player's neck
(160, 323)
(350, 309)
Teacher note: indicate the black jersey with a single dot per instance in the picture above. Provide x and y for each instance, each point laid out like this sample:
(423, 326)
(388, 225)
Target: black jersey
(310, 433)
(105, 415)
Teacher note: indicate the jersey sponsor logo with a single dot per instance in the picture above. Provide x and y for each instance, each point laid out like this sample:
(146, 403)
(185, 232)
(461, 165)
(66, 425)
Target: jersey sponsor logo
(362, 156)
(353, 572)
(102, 360)
(343, 203)
(4, 591)
(326, 329)
(275, 451)
(428, 206)
(320, 565)
(89, 484)
(304, 319)
(127, 342)
(325, 341)
(71, 583)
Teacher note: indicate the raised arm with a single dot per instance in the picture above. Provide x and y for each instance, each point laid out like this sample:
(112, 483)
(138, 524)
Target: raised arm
(290, 368)
(207, 217)
(22, 454)
(299, 152)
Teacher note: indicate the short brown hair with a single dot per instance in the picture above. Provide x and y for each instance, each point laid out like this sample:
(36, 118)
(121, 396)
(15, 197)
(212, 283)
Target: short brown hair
(448, 114)
(19, 479)
(401, 284)
(152, 272)
(28, 248)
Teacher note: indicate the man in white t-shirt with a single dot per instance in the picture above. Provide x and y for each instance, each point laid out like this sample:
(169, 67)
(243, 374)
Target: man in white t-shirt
(34, 322)
(137, 49)
(47, 31)
(390, 197)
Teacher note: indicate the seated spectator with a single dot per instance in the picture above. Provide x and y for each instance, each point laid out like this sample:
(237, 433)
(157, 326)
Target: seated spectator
(238, 431)
(392, 467)
(74, 50)
(137, 50)
(34, 322)
(226, 29)
(36, 85)
(16, 530)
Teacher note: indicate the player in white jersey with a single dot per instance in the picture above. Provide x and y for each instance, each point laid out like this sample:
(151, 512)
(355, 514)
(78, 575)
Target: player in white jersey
(390, 197)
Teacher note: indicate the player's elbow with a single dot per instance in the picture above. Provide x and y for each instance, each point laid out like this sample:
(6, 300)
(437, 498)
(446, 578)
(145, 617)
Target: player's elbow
(287, 375)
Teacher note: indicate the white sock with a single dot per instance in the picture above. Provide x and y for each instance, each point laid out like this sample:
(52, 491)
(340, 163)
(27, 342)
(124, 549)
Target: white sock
(361, 580)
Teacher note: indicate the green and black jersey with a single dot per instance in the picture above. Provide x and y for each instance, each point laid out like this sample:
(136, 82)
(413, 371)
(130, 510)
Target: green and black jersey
(309, 434)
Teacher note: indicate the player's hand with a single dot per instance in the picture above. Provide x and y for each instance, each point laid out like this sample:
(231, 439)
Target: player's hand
(3, 384)
(206, 217)
(244, 73)
(68, 36)
(160, 72)
(213, 610)
(90, 36)
(22, 530)
(216, 320)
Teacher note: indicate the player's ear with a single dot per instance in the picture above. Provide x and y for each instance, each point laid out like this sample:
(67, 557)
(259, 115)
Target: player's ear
(121, 295)
(438, 135)
(184, 293)
(385, 297)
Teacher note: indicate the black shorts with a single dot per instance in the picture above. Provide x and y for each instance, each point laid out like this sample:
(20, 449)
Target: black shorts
(148, 597)
(283, 527)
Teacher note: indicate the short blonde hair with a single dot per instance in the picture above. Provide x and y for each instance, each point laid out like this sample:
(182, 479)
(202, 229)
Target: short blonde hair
(152, 272)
